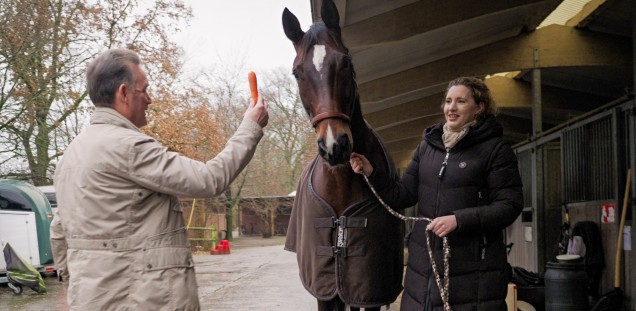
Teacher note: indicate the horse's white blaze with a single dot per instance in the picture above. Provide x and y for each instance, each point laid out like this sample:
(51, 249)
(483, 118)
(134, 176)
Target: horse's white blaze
(319, 57)
(331, 140)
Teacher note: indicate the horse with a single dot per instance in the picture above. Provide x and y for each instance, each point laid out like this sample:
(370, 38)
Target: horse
(349, 248)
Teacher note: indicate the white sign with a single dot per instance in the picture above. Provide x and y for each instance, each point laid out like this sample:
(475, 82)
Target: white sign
(608, 214)
(527, 230)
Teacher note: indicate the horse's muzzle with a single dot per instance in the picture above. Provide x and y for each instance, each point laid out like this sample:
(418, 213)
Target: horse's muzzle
(336, 153)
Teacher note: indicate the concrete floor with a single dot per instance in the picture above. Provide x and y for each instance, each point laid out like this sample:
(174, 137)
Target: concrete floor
(257, 275)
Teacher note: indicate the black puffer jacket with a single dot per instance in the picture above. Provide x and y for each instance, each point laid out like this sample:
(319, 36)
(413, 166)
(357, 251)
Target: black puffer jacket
(481, 186)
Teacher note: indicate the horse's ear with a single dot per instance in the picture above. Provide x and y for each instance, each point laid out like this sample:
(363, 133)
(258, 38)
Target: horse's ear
(292, 27)
(330, 16)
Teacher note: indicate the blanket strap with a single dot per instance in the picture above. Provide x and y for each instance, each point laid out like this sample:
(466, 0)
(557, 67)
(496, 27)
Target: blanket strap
(341, 223)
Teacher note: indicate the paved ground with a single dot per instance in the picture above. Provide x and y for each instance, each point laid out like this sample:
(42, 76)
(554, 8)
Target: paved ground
(257, 275)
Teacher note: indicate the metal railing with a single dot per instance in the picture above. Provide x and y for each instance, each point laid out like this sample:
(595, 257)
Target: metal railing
(212, 237)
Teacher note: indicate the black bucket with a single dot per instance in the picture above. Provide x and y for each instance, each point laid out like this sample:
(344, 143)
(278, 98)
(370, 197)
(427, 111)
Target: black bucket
(566, 287)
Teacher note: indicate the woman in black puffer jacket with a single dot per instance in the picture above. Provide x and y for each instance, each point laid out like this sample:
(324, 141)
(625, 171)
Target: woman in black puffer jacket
(464, 176)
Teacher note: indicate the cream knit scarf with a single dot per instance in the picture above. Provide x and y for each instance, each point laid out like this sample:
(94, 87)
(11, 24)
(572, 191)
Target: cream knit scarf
(451, 137)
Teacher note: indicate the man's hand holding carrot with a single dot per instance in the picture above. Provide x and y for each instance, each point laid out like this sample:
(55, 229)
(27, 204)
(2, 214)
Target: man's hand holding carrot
(257, 110)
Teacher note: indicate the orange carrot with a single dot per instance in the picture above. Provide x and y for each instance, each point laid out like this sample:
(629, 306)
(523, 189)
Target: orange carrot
(251, 76)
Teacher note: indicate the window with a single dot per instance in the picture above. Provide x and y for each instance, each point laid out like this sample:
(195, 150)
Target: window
(13, 201)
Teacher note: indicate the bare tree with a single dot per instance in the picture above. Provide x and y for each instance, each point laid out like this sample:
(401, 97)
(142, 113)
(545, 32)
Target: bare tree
(265, 210)
(289, 143)
(228, 100)
(282, 153)
(42, 60)
(286, 149)
(295, 136)
(186, 123)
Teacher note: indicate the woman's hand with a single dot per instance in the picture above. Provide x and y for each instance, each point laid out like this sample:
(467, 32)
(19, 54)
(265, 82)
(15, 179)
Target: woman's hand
(443, 225)
(360, 164)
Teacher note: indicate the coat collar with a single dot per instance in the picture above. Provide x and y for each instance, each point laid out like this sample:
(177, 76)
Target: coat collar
(486, 128)
(105, 115)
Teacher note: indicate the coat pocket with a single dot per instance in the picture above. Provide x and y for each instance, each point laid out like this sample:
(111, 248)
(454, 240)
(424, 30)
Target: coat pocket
(167, 250)
(167, 257)
(168, 281)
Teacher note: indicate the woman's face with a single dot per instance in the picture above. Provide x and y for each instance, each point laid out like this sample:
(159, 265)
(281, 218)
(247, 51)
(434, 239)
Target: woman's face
(460, 107)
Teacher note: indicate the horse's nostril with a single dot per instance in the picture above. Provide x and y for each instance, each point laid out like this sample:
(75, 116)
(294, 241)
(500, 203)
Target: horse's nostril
(322, 147)
(336, 149)
(343, 142)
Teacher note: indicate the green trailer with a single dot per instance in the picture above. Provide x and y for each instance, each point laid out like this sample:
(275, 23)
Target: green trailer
(25, 220)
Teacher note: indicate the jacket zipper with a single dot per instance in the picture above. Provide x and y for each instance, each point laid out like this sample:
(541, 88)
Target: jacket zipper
(484, 242)
(427, 302)
(484, 246)
(443, 169)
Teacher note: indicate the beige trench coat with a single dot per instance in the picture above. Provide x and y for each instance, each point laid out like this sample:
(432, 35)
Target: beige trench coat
(59, 247)
(117, 192)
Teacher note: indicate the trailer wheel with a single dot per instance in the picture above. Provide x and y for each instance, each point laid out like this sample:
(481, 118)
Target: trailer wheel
(17, 289)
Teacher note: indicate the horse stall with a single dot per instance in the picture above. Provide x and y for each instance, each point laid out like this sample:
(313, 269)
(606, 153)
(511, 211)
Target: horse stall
(575, 175)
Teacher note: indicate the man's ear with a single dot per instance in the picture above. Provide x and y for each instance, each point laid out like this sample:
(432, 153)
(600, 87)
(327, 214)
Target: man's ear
(122, 92)
(121, 100)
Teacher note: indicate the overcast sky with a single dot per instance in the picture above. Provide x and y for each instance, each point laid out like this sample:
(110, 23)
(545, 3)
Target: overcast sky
(235, 30)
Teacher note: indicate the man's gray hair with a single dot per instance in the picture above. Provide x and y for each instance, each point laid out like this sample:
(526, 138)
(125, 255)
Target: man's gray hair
(107, 72)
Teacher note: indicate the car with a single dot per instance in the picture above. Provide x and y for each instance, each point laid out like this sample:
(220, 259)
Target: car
(49, 192)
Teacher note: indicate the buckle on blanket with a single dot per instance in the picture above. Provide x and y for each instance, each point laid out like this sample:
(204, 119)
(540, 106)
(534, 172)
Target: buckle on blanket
(331, 251)
(334, 251)
(339, 251)
(342, 221)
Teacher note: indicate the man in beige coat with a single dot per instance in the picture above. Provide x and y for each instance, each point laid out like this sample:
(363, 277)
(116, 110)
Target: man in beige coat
(117, 192)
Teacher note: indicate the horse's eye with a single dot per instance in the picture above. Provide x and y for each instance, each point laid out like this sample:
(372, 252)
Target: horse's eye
(346, 62)
(296, 75)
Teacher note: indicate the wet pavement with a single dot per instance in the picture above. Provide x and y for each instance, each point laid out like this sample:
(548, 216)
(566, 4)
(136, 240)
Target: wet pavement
(252, 277)
(29, 300)
(257, 275)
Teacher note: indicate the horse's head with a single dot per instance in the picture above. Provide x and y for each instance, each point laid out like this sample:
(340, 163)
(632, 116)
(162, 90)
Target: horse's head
(326, 81)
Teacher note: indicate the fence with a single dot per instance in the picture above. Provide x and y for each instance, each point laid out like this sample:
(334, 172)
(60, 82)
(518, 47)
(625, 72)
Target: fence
(202, 235)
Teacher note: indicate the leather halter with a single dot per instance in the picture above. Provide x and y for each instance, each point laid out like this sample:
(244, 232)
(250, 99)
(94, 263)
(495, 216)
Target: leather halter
(329, 115)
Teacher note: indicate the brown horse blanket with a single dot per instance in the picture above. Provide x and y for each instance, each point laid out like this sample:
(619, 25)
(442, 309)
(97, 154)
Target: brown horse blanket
(358, 256)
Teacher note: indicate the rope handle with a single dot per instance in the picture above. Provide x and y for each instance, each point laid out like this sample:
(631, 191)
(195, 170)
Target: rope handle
(443, 289)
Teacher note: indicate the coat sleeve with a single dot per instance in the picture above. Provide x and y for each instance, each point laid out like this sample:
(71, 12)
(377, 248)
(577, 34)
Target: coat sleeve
(153, 166)
(505, 196)
(399, 193)
(59, 247)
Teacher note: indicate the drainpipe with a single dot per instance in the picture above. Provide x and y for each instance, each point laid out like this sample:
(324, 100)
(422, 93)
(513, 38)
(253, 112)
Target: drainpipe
(537, 118)
(632, 161)
(538, 234)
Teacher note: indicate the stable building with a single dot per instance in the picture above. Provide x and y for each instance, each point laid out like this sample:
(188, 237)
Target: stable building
(563, 76)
